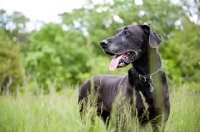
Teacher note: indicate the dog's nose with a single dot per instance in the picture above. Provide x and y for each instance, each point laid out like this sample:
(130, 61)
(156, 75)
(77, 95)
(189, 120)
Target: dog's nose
(104, 43)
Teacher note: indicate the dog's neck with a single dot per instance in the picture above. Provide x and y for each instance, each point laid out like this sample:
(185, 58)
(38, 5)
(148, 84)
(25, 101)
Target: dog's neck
(148, 63)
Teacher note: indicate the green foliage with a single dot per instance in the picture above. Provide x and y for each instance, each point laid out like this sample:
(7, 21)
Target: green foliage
(11, 73)
(56, 54)
(182, 53)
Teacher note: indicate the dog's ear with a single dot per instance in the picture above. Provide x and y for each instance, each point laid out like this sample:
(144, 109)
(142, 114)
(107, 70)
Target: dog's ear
(146, 29)
(154, 38)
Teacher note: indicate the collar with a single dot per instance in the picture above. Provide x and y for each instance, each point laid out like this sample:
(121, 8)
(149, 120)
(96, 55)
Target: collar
(148, 77)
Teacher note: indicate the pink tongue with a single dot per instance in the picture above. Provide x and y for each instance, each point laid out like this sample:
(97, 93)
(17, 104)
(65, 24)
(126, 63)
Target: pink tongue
(114, 63)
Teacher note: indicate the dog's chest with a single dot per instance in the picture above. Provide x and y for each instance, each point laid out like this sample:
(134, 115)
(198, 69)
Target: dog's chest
(143, 96)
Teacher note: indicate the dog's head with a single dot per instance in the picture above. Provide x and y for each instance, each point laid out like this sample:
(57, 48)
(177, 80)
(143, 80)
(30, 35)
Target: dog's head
(126, 46)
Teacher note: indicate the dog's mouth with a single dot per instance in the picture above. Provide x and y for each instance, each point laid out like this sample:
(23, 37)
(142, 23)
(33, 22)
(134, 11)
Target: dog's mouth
(122, 60)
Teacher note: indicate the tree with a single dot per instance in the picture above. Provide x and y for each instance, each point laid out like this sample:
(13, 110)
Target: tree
(56, 54)
(13, 36)
(11, 73)
(182, 53)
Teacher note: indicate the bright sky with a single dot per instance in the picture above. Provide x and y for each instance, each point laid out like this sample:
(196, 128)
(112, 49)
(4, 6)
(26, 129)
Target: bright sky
(45, 10)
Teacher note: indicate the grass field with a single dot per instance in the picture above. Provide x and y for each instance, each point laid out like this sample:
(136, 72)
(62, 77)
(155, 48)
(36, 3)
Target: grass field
(58, 112)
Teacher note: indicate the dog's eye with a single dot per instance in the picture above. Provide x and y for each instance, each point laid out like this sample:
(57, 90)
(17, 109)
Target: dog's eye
(126, 32)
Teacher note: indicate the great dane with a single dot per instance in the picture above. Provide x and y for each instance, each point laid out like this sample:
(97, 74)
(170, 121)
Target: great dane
(145, 84)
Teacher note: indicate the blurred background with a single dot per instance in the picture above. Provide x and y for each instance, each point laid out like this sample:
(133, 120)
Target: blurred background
(56, 43)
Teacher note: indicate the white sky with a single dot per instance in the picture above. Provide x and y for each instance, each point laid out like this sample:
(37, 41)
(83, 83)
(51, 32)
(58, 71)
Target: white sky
(45, 10)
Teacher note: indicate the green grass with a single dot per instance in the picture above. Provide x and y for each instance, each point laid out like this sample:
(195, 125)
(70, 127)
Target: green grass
(58, 112)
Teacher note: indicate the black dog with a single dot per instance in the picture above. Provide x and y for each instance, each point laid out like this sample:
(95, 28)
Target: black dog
(145, 80)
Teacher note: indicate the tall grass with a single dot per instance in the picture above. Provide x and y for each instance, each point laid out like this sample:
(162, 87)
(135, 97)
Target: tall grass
(59, 112)
(185, 110)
